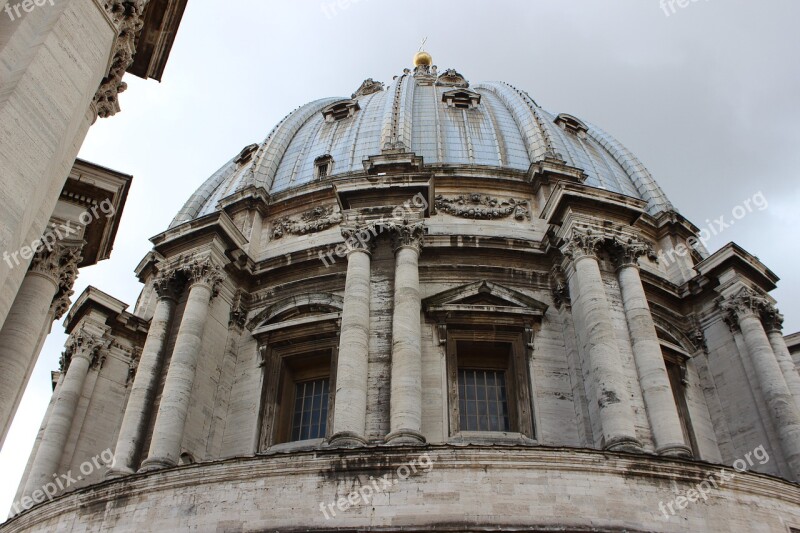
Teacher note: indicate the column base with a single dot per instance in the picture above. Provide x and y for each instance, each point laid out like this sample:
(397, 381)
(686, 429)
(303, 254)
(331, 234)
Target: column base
(346, 439)
(624, 444)
(679, 451)
(116, 473)
(156, 463)
(405, 436)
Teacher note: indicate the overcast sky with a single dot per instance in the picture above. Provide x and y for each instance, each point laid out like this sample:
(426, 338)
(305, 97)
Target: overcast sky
(707, 97)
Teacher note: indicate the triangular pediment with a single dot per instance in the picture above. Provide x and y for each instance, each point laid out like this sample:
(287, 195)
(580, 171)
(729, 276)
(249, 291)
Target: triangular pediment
(484, 296)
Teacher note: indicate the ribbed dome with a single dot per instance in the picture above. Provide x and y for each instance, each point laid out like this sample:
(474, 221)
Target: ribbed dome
(439, 117)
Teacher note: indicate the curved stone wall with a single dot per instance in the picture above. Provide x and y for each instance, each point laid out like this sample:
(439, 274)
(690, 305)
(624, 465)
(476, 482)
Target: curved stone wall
(446, 488)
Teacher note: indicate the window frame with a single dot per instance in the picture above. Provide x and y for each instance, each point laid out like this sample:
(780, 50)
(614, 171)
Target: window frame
(519, 388)
(308, 349)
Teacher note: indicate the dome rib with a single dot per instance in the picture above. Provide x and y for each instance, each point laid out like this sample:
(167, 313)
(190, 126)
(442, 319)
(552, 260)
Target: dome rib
(507, 130)
(524, 115)
(648, 188)
(268, 159)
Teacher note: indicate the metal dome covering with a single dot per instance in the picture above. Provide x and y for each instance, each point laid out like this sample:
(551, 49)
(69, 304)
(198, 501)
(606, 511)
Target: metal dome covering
(439, 117)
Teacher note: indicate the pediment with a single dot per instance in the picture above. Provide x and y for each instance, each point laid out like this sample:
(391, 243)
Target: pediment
(296, 310)
(482, 297)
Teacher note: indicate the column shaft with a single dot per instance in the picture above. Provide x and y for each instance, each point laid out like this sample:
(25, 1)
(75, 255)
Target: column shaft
(59, 425)
(406, 391)
(782, 406)
(658, 396)
(596, 337)
(165, 447)
(350, 411)
(19, 342)
(786, 363)
(135, 419)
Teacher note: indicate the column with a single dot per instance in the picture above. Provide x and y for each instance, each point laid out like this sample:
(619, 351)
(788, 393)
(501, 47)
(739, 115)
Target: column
(168, 286)
(773, 321)
(406, 380)
(43, 297)
(204, 278)
(83, 349)
(659, 400)
(596, 340)
(350, 410)
(743, 309)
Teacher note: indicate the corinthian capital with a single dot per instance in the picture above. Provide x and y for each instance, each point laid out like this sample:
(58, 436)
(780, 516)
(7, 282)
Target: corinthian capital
(128, 16)
(58, 262)
(83, 344)
(204, 271)
(743, 304)
(360, 237)
(168, 284)
(627, 250)
(772, 319)
(582, 242)
(407, 234)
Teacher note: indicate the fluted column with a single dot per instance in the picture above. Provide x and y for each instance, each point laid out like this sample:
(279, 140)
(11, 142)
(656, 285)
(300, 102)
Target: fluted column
(204, 278)
(659, 399)
(168, 285)
(773, 322)
(595, 330)
(350, 410)
(83, 349)
(743, 310)
(406, 384)
(42, 297)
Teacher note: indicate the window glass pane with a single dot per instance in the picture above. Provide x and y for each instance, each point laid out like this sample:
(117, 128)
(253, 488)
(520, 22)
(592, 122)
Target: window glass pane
(482, 400)
(311, 409)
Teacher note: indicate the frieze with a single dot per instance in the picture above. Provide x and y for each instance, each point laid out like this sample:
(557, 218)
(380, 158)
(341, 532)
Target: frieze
(311, 221)
(483, 207)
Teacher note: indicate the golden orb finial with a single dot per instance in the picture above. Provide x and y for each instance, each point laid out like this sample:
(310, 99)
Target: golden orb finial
(423, 58)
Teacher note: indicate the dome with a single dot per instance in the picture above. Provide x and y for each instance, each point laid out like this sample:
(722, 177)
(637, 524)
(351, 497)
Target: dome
(439, 117)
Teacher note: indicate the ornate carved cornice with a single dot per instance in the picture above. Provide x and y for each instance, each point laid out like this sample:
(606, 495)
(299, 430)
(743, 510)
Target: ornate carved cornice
(484, 207)
(128, 16)
(407, 234)
(311, 221)
(560, 293)
(133, 366)
(238, 316)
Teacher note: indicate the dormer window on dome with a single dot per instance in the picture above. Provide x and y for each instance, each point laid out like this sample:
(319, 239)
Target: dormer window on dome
(323, 166)
(572, 125)
(461, 99)
(340, 110)
(246, 154)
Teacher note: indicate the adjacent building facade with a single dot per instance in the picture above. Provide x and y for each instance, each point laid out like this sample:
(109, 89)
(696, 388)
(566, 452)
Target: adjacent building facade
(432, 305)
(61, 67)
